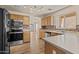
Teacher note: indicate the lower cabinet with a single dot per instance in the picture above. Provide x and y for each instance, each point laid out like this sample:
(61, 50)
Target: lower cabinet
(20, 49)
(41, 34)
(50, 49)
(26, 36)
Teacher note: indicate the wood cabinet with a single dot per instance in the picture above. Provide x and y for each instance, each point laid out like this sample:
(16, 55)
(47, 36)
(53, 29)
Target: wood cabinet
(49, 20)
(41, 34)
(43, 22)
(16, 17)
(26, 20)
(52, 49)
(26, 36)
(23, 48)
(48, 48)
(46, 21)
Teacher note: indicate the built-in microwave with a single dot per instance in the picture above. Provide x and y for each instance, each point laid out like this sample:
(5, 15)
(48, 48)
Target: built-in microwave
(17, 24)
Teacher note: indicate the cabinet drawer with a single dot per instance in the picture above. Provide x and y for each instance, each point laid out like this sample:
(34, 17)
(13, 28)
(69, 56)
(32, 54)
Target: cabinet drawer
(20, 48)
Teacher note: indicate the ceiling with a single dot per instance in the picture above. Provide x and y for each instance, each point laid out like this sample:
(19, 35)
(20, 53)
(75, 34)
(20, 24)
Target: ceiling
(36, 10)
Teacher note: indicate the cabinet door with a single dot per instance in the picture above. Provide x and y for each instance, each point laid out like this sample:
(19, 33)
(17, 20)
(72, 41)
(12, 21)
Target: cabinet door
(26, 36)
(12, 16)
(41, 34)
(16, 17)
(48, 48)
(46, 21)
(52, 49)
(49, 20)
(26, 20)
(19, 17)
(19, 49)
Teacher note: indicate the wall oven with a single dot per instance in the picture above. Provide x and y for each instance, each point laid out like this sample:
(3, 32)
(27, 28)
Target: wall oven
(16, 33)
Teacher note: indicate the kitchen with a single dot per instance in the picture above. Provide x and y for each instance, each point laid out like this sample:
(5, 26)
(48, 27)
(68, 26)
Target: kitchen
(40, 29)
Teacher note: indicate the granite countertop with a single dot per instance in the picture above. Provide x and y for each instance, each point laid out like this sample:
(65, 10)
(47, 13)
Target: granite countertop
(51, 30)
(68, 41)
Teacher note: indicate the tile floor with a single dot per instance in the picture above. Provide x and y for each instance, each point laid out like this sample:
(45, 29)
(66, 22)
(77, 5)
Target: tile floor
(37, 48)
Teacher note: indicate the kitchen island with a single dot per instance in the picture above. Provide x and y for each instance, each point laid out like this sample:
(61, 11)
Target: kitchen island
(66, 43)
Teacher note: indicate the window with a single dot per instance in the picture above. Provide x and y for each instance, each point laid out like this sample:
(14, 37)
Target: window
(62, 19)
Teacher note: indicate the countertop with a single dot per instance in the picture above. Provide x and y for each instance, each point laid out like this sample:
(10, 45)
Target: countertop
(59, 30)
(50, 30)
(68, 41)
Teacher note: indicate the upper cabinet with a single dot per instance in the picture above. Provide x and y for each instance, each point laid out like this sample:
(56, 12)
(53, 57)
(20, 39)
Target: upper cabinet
(49, 18)
(45, 21)
(16, 17)
(26, 20)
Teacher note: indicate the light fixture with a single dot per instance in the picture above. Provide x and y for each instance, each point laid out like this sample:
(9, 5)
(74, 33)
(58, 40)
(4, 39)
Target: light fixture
(24, 7)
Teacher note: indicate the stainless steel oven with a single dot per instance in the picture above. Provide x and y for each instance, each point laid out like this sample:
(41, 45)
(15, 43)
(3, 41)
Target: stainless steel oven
(16, 33)
(17, 24)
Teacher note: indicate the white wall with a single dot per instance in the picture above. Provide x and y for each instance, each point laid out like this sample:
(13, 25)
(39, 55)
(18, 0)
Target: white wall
(63, 12)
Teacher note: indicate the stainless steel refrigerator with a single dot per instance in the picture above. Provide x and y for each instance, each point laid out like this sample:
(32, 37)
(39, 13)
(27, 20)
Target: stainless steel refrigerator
(4, 31)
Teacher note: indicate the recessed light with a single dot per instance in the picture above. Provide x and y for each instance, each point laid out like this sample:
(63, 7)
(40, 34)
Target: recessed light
(24, 7)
